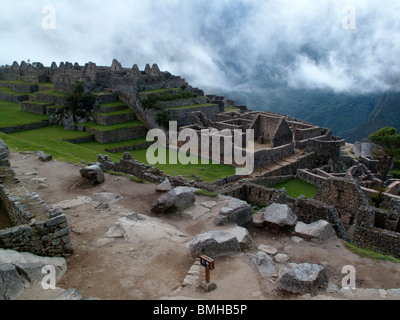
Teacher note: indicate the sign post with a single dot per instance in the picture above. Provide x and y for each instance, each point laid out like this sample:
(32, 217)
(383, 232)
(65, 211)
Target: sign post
(209, 265)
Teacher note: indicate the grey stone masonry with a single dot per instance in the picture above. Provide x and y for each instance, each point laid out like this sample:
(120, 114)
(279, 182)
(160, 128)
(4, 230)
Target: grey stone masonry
(39, 229)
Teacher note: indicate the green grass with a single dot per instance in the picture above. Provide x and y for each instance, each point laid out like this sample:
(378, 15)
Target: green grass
(207, 172)
(11, 115)
(125, 125)
(50, 140)
(206, 193)
(366, 253)
(296, 188)
(54, 93)
(231, 109)
(192, 106)
(115, 113)
(112, 105)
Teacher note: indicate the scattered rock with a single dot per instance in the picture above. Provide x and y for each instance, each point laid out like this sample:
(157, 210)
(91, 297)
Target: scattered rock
(214, 244)
(279, 216)
(235, 212)
(281, 258)
(321, 230)
(175, 200)
(165, 186)
(44, 157)
(267, 249)
(263, 262)
(303, 278)
(106, 197)
(94, 174)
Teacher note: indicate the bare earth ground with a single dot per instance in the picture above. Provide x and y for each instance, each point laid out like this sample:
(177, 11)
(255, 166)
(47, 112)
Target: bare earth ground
(138, 270)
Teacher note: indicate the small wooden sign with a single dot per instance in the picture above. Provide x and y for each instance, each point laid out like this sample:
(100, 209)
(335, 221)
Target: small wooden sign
(207, 262)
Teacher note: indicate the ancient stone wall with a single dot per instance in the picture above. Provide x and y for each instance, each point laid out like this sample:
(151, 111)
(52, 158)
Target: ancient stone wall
(30, 126)
(117, 135)
(310, 211)
(379, 240)
(307, 176)
(182, 115)
(39, 228)
(50, 238)
(267, 156)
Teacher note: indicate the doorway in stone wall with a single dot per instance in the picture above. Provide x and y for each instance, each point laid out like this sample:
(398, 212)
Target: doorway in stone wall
(398, 226)
(5, 221)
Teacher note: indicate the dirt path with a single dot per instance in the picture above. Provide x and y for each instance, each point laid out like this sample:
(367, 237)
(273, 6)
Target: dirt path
(139, 270)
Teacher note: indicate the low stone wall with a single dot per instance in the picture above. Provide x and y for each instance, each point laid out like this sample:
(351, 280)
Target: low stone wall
(34, 107)
(109, 120)
(379, 240)
(267, 156)
(386, 196)
(13, 97)
(49, 238)
(25, 127)
(271, 181)
(24, 88)
(310, 211)
(52, 99)
(307, 176)
(181, 103)
(307, 161)
(130, 166)
(118, 135)
(182, 115)
(39, 229)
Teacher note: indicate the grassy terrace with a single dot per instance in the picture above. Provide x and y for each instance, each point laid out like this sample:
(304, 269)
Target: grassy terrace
(11, 115)
(54, 93)
(14, 93)
(115, 113)
(296, 188)
(125, 125)
(159, 91)
(112, 105)
(192, 106)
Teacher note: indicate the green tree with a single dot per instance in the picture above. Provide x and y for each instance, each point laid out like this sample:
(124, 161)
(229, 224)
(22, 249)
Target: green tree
(387, 150)
(79, 101)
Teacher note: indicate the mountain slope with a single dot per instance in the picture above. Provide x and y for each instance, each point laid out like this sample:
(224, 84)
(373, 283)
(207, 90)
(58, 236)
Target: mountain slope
(386, 113)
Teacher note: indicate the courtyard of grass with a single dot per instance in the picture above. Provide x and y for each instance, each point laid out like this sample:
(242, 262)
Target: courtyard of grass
(296, 188)
(52, 140)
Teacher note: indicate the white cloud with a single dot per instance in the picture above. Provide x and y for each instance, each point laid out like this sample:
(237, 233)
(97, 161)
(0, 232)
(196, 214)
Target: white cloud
(224, 44)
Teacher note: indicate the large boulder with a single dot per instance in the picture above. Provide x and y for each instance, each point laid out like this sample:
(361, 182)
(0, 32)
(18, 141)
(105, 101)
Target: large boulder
(235, 212)
(138, 228)
(303, 278)
(175, 200)
(214, 244)
(243, 236)
(279, 216)
(321, 230)
(94, 174)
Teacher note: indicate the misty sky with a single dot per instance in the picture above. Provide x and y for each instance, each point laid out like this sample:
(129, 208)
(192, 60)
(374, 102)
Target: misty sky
(222, 44)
